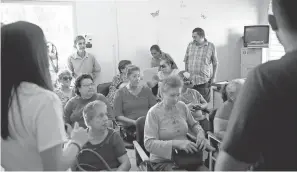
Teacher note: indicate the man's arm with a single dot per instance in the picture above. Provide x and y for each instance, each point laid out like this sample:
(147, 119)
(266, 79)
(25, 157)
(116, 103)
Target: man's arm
(70, 66)
(186, 59)
(96, 70)
(214, 60)
(245, 136)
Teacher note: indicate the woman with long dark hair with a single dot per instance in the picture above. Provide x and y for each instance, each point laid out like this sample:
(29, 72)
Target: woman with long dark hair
(32, 128)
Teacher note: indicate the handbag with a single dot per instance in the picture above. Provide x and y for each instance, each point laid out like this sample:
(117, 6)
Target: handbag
(187, 161)
(128, 133)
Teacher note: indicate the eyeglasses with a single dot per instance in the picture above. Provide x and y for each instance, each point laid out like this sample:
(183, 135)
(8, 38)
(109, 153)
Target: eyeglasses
(65, 78)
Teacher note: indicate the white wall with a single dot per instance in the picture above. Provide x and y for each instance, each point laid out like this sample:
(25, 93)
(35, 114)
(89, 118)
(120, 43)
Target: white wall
(136, 30)
(97, 18)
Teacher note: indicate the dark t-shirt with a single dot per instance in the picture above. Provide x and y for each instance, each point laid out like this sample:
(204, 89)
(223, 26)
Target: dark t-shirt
(73, 110)
(263, 123)
(110, 149)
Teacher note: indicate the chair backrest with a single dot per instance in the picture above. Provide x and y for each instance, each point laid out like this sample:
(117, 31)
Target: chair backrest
(103, 88)
(140, 132)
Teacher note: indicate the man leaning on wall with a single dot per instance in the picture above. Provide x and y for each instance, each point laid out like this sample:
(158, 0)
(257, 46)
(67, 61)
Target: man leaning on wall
(201, 62)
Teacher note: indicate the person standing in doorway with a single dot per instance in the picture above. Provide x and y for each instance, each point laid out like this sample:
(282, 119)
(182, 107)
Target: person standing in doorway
(201, 62)
(263, 125)
(82, 62)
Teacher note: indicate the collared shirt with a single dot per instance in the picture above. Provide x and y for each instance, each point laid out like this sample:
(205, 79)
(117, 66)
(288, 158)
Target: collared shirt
(199, 60)
(86, 65)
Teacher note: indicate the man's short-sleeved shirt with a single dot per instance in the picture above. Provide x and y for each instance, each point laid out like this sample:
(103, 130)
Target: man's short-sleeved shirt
(263, 123)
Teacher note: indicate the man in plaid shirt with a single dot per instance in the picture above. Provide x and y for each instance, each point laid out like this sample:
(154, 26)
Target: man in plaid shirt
(201, 62)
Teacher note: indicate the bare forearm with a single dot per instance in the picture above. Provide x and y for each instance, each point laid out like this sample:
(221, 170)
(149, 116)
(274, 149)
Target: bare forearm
(204, 106)
(215, 67)
(197, 129)
(186, 66)
(126, 120)
(68, 157)
(125, 166)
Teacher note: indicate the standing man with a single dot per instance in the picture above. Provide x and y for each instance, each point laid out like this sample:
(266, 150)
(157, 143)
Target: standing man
(201, 62)
(82, 62)
(263, 124)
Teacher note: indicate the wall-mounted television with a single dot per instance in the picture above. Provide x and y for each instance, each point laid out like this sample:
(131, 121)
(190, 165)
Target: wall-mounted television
(256, 36)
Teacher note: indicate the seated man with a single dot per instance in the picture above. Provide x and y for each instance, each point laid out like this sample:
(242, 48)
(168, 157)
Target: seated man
(223, 113)
(102, 140)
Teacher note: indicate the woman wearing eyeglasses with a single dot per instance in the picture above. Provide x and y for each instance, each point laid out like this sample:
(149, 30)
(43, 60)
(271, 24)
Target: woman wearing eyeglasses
(64, 90)
(85, 90)
(167, 68)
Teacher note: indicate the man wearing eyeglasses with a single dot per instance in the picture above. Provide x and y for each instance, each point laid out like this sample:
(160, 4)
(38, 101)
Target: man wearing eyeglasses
(201, 62)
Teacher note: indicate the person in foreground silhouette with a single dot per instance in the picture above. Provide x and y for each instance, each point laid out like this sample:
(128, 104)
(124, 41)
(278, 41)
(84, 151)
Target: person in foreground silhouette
(263, 125)
(32, 127)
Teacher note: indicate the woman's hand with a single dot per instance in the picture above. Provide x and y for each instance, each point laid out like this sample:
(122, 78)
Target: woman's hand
(203, 143)
(191, 107)
(79, 134)
(185, 145)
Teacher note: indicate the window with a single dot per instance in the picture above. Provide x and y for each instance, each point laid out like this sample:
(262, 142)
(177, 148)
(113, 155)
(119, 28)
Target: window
(56, 21)
(276, 50)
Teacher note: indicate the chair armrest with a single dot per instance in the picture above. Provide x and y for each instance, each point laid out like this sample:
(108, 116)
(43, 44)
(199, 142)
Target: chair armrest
(140, 151)
(213, 136)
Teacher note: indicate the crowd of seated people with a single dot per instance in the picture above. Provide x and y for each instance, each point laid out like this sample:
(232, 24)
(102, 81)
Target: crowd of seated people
(89, 116)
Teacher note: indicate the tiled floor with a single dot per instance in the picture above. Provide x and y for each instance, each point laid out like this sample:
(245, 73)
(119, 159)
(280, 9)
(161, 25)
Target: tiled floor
(131, 155)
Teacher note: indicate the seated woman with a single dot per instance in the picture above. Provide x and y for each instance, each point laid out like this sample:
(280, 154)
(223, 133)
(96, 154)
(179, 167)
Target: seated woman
(103, 140)
(166, 127)
(167, 68)
(158, 55)
(118, 80)
(85, 93)
(131, 102)
(63, 90)
(194, 100)
(223, 113)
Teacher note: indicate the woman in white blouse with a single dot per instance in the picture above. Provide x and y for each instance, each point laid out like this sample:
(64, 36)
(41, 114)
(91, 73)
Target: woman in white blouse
(32, 127)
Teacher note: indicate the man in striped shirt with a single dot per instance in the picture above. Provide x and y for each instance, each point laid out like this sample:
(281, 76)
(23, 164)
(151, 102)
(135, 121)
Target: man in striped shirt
(201, 62)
